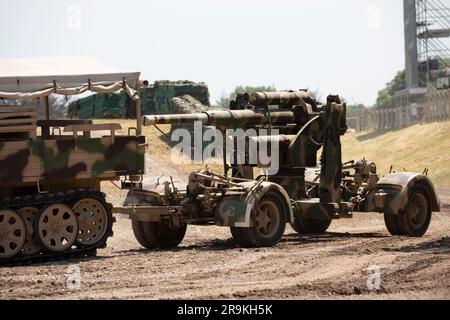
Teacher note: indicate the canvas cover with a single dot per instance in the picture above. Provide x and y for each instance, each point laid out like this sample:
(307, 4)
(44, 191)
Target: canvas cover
(40, 77)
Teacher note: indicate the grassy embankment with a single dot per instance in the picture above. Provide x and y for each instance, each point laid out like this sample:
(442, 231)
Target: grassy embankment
(413, 149)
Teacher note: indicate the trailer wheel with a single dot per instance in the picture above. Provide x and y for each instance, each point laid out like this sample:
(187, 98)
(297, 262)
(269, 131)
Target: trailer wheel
(158, 235)
(415, 219)
(242, 238)
(138, 230)
(391, 224)
(310, 226)
(269, 222)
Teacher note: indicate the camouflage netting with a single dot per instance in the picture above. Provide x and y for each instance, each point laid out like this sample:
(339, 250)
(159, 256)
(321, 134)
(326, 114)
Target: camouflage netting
(187, 104)
(99, 106)
(156, 98)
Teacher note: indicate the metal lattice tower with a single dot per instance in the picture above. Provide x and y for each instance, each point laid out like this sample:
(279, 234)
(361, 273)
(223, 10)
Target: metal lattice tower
(432, 26)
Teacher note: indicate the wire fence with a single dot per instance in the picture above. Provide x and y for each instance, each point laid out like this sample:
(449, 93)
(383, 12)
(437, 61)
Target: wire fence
(436, 108)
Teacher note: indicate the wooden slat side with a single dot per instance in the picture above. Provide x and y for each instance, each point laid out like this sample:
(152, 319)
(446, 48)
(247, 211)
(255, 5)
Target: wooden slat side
(17, 128)
(11, 108)
(17, 121)
(8, 115)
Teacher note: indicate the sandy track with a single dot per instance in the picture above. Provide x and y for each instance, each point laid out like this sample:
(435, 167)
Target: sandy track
(209, 265)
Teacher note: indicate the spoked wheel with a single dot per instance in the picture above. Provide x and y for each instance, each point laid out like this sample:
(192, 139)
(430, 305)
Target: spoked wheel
(267, 218)
(57, 227)
(415, 219)
(269, 222)
(152, 235)
(31, 245)
(93, 220)
(12, 234)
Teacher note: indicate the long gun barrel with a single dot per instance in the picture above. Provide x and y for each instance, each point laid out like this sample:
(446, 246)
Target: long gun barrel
(228, 118)
(294, 107)
(278, 98)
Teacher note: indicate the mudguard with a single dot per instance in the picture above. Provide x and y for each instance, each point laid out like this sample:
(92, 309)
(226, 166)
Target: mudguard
(235, 211)
(391, 193)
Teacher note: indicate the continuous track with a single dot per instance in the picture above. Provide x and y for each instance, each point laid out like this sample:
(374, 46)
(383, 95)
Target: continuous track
(40, 202)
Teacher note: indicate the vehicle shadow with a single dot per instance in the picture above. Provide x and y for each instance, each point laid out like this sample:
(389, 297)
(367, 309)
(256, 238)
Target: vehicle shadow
(330, 237)
(230, 244)
(440, 246)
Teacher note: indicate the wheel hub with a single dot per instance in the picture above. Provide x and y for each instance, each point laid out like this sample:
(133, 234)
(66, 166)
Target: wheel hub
(267, 216)
(57, 227)
(417, 210)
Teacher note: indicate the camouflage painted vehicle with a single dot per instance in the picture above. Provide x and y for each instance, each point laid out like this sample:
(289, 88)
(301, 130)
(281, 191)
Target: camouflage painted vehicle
(51, 204)
(301, 193)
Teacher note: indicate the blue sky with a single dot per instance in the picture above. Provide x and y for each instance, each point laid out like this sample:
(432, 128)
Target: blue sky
(349, 47)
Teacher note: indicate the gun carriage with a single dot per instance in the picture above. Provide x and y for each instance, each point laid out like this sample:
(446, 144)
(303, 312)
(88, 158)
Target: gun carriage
(309, 188)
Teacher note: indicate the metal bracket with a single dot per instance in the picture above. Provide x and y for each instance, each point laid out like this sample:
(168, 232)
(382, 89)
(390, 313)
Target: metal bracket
(132, 128)
(39, 188)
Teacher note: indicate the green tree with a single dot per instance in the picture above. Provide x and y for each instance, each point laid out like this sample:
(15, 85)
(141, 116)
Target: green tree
(386, 96)
(224, 101)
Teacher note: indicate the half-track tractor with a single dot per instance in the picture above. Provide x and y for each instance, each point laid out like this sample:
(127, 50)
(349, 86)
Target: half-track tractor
(51, 204)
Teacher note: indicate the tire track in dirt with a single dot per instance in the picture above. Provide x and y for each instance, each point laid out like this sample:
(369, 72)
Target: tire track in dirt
(210, 265)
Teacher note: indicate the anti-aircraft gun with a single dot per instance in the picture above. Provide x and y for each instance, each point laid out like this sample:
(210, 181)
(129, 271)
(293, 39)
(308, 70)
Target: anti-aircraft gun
(299, 189)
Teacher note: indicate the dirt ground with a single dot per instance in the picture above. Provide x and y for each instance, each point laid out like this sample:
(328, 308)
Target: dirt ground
(208, 265)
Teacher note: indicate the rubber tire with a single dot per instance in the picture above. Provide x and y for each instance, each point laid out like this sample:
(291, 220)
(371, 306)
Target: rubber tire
(405, 227)
(241, 238)
(139, 234)
(310, 226)
(156, 235)
(251, 238)
(391, 224)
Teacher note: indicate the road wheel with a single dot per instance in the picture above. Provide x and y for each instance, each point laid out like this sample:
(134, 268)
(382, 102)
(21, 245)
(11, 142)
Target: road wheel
(31, 245)
(415, 219)
(153, 235)
(93, 220)
(57, 227)
(310, 226)
(12, 234)
(269, 223)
